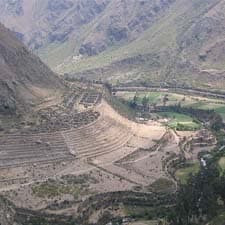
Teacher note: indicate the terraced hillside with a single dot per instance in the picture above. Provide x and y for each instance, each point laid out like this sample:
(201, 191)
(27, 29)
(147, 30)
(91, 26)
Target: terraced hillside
(61, 170)
(26, 149)
(102, 135)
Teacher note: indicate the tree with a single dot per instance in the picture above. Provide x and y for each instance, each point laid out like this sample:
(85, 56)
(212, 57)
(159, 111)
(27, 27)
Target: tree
(165, 99)
(216, 122)
(108, 86)
(134, 101)
(197, 199)
(145, 101)
(220, 187)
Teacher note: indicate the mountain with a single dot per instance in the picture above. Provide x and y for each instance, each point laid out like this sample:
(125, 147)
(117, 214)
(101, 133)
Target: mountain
(178, 42)
(24, 79)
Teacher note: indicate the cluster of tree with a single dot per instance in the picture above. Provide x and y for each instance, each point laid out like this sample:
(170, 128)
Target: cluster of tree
(144, 102)
(199, 200)
(134, 103)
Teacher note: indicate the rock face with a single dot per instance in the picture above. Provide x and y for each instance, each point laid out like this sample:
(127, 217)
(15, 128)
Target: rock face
(21, 75)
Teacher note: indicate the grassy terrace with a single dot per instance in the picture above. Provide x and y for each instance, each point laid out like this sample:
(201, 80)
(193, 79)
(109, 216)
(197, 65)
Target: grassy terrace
(75, 186)
(184, 173)
(162, 185)
(51, 190)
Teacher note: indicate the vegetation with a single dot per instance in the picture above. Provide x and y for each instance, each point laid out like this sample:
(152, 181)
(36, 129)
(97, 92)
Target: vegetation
(180, 121)
(162, 185)
(145, 212)
(200, 199)
(54, 188)
(156, 99)
(122, 107)
(221, 163)
(41, 220)
(184, 173)
(183, 112)
(218, 220)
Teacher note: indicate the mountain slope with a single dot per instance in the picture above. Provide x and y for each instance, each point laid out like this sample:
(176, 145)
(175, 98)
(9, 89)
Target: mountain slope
(185, 46)
(155, 41)
(24, 79)
(67, 28)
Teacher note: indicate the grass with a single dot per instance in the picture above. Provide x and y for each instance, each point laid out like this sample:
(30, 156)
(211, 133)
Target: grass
(51, 190)
(184, 173)
(180, 121)
(122, 107)
(221, 163)
(218, 220)
(145, 222)
(174, 98)
(145, 213)
(218, 107)
(153, 96)
(162, 185)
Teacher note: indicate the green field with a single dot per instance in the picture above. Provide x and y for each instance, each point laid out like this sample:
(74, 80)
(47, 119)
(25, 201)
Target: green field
(153, 97)
(184, 173)
(219, 108)
(52, 190)
(174, 99)
(180, 121)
